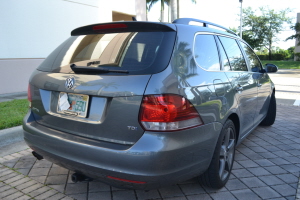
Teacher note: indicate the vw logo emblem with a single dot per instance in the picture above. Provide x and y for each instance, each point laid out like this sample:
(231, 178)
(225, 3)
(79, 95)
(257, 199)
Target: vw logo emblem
(70, 83)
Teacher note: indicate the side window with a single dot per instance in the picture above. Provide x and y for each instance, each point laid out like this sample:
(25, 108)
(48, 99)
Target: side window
(206, 52)
(254, 62)
(234, 54)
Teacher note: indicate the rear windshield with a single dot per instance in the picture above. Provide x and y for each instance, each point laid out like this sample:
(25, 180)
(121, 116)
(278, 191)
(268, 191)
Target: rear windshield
(135, 52)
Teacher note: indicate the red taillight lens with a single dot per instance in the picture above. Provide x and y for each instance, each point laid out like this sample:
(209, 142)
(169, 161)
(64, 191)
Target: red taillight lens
(29, 97)
(168, 112)
(109, 26)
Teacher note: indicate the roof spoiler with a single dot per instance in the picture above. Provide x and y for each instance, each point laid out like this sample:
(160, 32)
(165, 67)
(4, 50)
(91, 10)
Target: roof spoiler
(124, 26)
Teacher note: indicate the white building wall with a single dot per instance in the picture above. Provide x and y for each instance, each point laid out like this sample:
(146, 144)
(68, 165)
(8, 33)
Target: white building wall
(32, 29)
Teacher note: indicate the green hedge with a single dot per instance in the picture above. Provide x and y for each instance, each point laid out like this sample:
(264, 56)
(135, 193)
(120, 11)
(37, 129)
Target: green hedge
(275, 56)
(297, 56)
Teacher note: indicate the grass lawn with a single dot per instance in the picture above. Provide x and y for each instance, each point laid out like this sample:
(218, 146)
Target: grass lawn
(12, 113)
(283, 64)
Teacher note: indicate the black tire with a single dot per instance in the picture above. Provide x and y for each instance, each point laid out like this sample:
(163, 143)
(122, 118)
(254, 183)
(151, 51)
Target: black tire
(271, 114)
(217, 175)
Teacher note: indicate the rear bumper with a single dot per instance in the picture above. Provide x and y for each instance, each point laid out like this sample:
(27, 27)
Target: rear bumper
(156, 158)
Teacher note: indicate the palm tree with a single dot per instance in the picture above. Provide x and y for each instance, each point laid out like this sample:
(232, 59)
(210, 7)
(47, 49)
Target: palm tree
(150, 3)
(175, 12)
(172, 3)
(296, 28)
(296, 36)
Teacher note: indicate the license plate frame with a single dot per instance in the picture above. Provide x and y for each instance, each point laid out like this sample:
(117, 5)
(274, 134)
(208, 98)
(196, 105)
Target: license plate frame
(78, 104)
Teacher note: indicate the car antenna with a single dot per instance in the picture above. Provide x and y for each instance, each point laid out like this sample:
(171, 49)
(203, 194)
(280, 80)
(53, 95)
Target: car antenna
(134, 19)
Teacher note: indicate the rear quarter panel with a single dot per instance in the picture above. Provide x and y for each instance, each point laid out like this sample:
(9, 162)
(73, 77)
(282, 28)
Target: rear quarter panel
(209, 91)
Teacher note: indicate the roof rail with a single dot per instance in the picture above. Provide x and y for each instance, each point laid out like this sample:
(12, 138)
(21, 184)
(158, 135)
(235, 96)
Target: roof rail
(205, 23)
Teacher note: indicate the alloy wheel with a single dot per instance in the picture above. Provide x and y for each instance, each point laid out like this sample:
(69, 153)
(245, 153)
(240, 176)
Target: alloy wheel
(226, 154)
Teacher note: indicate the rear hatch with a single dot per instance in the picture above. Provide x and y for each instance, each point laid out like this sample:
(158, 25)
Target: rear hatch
(92, 85)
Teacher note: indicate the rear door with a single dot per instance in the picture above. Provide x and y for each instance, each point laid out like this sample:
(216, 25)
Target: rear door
(243, 82)
(262, 80)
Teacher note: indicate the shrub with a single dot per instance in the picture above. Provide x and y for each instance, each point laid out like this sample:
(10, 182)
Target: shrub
(282, 55)
(297, 55)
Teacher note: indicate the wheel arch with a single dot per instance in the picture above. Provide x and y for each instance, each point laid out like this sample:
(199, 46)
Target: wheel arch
(235, 119)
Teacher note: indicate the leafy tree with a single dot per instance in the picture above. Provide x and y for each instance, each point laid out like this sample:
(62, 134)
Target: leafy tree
(296, 28)
(291, 50)
(248, 36)
(150, 3)
(262, 30)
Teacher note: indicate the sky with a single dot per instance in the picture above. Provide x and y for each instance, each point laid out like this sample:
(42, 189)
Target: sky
(226, 13)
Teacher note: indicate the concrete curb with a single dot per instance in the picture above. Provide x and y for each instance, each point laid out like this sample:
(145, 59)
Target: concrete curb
(11, 135)
(12, 96)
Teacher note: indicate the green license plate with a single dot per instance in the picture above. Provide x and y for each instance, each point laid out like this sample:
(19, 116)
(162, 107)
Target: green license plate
(73, 104)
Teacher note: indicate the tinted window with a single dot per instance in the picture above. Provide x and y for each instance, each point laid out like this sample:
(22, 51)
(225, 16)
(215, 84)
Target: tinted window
(224, 58)
(136, 52)
(255, 64)
(206, 53)
(234, 54)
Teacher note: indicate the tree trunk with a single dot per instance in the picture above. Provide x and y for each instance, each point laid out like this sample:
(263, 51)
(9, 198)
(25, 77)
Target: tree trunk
(162, 11)
(173, 5)
(270, 51)
(177, 9)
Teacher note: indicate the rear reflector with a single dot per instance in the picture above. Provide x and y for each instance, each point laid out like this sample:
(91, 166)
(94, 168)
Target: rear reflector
(29, 97)
(168, 112)
(125, 180)
(109, 26)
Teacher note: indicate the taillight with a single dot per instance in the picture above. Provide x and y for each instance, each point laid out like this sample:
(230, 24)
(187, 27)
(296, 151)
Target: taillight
(168, 112)
(109, 26)
(29, 95)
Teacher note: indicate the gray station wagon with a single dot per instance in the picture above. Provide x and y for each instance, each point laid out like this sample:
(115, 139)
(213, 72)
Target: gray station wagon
(143, 104)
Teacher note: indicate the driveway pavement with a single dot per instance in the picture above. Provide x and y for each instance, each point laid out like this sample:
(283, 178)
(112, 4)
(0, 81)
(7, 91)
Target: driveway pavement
(287, 86)
(267, 166)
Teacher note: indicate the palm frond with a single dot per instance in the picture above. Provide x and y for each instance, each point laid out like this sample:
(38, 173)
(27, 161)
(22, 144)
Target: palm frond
(150, 3)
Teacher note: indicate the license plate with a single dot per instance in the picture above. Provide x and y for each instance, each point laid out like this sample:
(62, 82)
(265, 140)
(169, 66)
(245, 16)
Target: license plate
(73, 104)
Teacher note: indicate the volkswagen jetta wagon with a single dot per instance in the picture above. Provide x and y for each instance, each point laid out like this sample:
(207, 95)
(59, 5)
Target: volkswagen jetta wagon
(143, 104)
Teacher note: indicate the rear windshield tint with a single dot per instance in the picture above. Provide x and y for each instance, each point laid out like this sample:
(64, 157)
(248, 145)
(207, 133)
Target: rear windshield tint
(136, 52)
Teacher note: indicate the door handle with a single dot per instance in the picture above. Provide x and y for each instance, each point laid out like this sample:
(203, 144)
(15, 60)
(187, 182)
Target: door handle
(239, 89)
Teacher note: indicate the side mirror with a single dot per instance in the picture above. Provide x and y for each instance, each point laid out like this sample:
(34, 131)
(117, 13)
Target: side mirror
(271, 68)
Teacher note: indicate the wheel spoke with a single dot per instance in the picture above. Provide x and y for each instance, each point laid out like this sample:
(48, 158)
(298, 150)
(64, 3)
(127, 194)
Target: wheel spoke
(222, 168)
(226, 138)
(222, 152)
(230, 160)
(230, 151)
(226, 154)
(231, 145)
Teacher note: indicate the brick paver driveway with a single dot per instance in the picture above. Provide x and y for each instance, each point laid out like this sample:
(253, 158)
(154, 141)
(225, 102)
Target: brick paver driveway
(267, 166)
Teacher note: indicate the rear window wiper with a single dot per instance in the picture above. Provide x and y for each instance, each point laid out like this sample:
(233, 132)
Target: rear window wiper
(80, 69)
